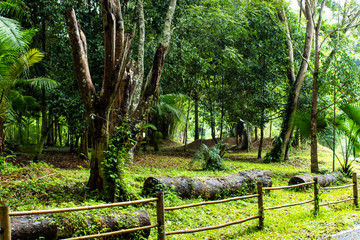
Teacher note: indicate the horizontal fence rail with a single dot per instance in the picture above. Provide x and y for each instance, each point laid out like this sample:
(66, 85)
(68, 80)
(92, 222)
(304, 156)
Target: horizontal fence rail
(338, 187)
(291, 186)
(212, 227)
(340, 201)
(113, 233)
(210, 202)
(61, 210)
(289, 205)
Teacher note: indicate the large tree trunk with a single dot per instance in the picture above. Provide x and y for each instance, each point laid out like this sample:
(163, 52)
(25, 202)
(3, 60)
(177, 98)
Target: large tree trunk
(210, 187)
(46, 227)
(118, 84)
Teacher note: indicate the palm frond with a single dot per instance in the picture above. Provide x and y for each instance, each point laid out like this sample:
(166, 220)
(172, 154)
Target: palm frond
(11, 34)
(43, 83)
(15, 8)
(25, 61)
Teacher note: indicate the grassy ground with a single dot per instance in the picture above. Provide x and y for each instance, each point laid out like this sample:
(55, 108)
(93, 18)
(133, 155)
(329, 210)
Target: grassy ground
(41, 186)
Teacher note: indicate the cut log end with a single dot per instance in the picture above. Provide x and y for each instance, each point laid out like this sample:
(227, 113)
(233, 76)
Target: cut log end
(323, 180)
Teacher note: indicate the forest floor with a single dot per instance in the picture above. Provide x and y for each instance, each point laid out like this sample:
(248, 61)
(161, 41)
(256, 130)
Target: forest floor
(59, 180)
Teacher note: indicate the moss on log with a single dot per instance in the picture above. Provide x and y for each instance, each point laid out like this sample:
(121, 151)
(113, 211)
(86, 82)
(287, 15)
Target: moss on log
(52, 228)
(323, 180)
(210, 187)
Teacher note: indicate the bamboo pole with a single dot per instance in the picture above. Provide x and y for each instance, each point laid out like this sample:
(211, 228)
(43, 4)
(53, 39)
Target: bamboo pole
(160, 208)
(212, 227)
(5, 233)
(210, 202)
(340, 201)
(316, 197)
(291, 186)
(260, 205)
(82, 208)
(289, 205)
(355, 190)
(339, 187)
(112, 233)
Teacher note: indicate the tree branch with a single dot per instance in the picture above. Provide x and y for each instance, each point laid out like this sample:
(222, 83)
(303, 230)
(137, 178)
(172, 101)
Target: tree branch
(78, 46)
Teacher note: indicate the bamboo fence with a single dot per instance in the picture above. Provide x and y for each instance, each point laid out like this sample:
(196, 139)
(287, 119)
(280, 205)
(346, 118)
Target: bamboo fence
(5, 214)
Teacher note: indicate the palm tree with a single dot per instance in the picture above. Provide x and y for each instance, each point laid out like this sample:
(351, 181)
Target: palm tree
(15, 60)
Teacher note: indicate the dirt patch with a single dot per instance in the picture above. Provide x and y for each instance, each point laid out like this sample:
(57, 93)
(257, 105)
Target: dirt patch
(58, 159)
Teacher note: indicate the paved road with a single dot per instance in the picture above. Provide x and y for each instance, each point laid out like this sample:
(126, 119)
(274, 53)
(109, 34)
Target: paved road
(352, 234)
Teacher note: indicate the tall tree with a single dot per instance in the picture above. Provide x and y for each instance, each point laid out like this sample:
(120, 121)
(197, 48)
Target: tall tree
(121, 76)
(281, 147)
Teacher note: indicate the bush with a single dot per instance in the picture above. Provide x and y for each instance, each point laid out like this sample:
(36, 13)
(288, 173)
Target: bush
(211, 159)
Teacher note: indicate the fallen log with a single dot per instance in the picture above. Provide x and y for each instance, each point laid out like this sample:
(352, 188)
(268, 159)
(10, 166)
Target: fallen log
(52, 228)
(210, 187)
(323, 180)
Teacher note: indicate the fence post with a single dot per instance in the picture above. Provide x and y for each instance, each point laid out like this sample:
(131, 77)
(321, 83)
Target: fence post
(316, 197)
(260, 205)
(160, 207)
(355, 190)
(5, 230)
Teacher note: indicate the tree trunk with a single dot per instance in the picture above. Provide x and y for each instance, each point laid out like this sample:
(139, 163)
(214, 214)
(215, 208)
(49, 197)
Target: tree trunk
(270, 130)
(186, 125)
(262, 126)
(118, 78)
(2, 133)
(84, 145)
(196, 116)
(210, 187)
(323, 180)
(46, 227)
(281, 148)
(256, 133)
(60, 136)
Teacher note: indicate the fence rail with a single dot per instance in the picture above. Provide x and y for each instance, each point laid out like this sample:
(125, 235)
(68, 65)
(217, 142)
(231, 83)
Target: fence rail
(5, 214)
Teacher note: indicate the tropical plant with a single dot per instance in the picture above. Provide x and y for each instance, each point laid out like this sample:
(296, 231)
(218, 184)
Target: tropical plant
(349, 124)
(211, 159)
(15, 60)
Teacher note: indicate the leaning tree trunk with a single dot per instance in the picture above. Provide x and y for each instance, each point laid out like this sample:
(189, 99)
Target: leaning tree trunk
(281, 148)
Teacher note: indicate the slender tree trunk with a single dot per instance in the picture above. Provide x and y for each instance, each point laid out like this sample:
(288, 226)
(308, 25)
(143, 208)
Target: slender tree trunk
(186, 125)
(212, 125)
(315, 89)
(256, 133)
(270, 130)
(59, 133)
(196, 116)
(2, 133)
(221, 121)
(262, 125)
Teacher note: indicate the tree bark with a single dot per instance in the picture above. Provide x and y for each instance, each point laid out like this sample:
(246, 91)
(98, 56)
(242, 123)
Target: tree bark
(210, 187)
(281, 148)
(196, 116)
(262, 126)
(117, 84)
(46, 227)
(323, 180)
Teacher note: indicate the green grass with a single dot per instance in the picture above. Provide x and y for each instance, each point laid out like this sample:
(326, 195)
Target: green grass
(40, 186)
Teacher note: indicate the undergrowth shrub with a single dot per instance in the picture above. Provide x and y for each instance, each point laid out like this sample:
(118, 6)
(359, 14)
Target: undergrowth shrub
(211, 159)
